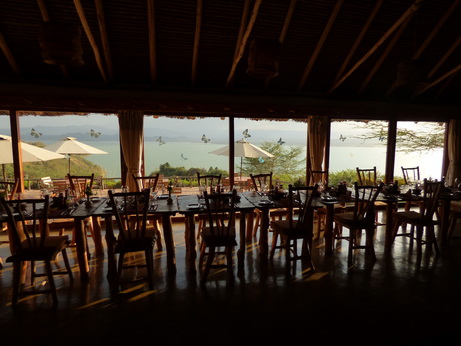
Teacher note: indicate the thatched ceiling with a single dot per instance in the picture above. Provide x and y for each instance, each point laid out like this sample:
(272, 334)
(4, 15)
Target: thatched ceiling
(191, 57)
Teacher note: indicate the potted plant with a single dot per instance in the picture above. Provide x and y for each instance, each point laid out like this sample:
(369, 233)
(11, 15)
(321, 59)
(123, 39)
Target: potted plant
(88, 193)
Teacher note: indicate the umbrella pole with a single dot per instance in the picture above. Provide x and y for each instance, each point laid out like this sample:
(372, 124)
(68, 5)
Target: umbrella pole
(4, 173)
(241, 164)
(69, 164)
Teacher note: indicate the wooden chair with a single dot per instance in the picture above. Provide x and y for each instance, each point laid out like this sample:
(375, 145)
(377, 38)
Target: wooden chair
(368, 176)
(8, 189)
(361, 218)
(27, 221)
(263, 182)
(421, 220)
(151, 183)
(290, 230)
(79, 183)
(207, 182)
(219, 232)
(130, 209)
(410, 174)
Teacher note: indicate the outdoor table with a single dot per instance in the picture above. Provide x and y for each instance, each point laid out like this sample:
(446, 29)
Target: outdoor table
(184, 207)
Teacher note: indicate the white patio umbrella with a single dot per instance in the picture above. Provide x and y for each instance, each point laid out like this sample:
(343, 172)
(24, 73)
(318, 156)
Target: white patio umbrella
(242, 148)
(70, 146)
(30, 153)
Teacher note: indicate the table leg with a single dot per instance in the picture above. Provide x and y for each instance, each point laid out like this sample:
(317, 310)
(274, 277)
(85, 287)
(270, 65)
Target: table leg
(445, 220)
(329, 234)
(111, 261)
(81, 245)
(264, 235)
(242, 241)
(389, 226)
(169, 243)
(191, 253)
(98, 247)
(249, 226)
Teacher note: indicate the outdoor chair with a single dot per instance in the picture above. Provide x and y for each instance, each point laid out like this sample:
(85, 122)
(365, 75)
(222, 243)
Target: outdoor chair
(261, 183)
(361, 218)
(130, 209)
(153, 219)
(421, 220)
(218, 232)
(31, 242)
(291, 229)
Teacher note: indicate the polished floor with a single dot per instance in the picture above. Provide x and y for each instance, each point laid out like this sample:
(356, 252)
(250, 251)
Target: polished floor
(393, 301)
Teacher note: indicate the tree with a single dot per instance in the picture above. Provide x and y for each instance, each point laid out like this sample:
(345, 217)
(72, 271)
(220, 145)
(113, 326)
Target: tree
(286, 164)
(427, 138)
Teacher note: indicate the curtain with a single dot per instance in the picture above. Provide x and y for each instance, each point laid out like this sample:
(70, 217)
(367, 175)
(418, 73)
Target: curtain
(454, 152)
(131, 125)
(317, 127)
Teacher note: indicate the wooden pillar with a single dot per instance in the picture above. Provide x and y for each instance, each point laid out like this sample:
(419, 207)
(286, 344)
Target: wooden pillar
(231, 150)
(17, 152)
(390, 152)
(445, 158)
(326, 162)
(123, 168)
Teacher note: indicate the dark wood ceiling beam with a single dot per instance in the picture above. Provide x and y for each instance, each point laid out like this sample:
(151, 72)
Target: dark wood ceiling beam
(445, 57)
(437, 81)
(243, 25)
(89, 35)
(385, 53)
(358, 40)
(284, 31)
(394, 27)
(9, 56)
(104, 38)
(152, 41)
(243, 42)
(198, 26)
(320, 43)
(46, 18)
(429, 38)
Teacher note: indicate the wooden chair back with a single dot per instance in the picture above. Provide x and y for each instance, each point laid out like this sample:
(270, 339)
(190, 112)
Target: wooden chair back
(9, 188)
(209, 182)
(300, 198)
(366, 176)
(364, 204)
(79, 183)
(410, 174)
(27, 221)
(146, 182)
(220, 210)
(130, 209)
(316, 177)
(261, 181)
(430, 199)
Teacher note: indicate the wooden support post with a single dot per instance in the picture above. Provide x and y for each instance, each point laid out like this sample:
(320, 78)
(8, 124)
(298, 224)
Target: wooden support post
(16, 146)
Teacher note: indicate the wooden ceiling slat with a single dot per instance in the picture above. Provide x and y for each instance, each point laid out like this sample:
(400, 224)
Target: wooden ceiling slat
(437, 81)
(241, 49)
(198, 25)
(89, 35)
(104, 38)
(9, 56)
(445, 57)
(320, 43)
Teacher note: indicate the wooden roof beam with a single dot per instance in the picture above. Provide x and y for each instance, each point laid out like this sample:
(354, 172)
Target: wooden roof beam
(386, 52)
(9, 56)
(198, 25)
(243, 25)
(46, 18)
(445, 57)
(394, 27)
(89, 35)
(319, 46)
(104, 38)
(285, 27)
(152, 41)
(437, 81)
(359, 39)
(243, 42)
(429, 38)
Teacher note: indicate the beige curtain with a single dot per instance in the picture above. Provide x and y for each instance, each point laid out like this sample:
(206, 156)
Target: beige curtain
(317, 127)
(131, 125)
(454, 152)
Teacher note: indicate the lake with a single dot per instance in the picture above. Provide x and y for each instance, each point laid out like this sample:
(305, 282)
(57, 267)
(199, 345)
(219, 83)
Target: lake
(189, 154)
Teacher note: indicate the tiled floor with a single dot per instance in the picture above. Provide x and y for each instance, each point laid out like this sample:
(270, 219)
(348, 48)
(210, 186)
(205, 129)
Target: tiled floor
(390, 302)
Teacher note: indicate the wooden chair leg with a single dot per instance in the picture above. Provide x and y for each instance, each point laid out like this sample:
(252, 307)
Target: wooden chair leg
(150, 268)
(49, 272)
(352, 236)
(120, 268)
(32, 272)
(209, 262)
(67, 264)
(17, 275)
(274, 244)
